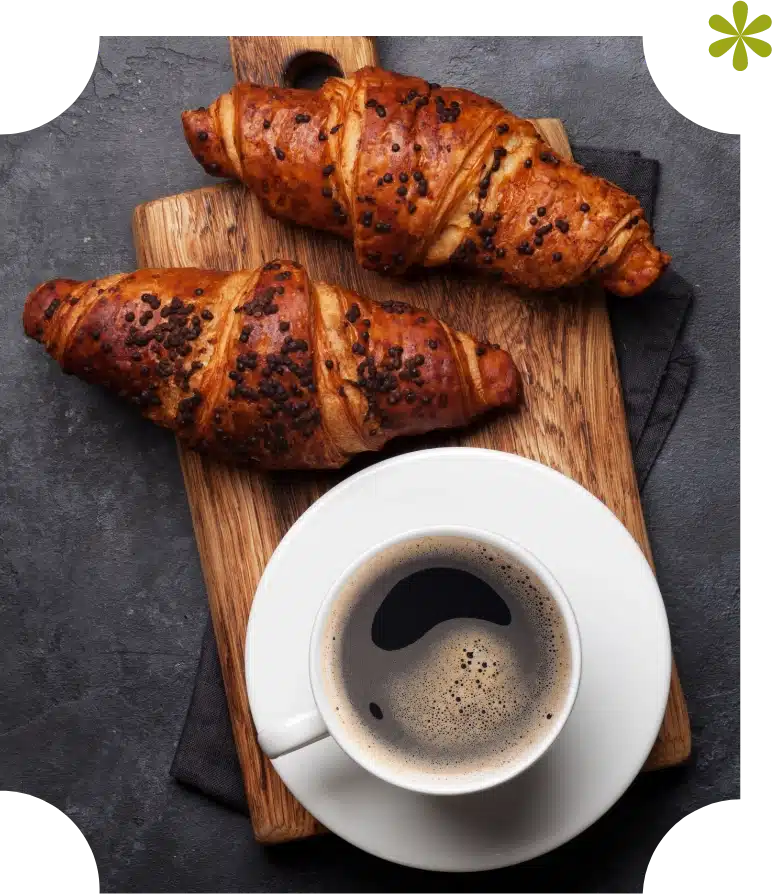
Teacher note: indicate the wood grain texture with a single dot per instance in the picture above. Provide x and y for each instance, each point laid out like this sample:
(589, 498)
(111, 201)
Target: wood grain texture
(573, 419)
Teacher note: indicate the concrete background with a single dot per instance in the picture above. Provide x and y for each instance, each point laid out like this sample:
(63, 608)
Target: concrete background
(101, 598)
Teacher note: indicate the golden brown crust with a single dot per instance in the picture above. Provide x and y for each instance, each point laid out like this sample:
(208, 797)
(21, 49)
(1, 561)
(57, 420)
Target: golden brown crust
(418, 174)
(266, 367)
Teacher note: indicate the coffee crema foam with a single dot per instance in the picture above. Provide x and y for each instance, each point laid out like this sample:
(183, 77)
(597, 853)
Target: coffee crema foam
(467, 696)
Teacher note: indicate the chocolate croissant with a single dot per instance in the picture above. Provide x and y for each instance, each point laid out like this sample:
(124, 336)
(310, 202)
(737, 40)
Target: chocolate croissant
(419, 174)
(268, 367)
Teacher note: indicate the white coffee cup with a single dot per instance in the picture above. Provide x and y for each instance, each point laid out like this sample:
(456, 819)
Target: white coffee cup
(302, 729)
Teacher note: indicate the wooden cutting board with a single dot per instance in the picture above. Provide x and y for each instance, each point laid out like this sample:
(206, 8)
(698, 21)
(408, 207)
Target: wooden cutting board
(573, 419)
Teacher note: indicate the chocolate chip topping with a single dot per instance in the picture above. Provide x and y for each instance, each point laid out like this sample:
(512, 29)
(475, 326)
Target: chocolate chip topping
(353, 314)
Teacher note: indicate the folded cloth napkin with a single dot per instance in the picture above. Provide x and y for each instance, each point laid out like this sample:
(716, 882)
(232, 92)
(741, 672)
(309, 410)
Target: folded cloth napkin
(655, 369)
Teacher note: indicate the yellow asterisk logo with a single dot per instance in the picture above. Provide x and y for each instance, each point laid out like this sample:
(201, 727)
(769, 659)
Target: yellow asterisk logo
(740, 35)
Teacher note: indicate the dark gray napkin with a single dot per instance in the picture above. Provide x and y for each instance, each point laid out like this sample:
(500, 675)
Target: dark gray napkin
(655, 368)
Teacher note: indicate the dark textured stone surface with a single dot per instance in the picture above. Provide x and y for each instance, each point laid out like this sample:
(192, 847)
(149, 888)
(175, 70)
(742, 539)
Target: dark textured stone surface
(101, 597)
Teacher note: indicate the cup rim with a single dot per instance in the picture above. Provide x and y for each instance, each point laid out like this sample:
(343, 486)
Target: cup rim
(464, 783)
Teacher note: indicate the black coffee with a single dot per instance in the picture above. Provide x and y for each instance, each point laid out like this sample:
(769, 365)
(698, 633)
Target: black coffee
(444, 656)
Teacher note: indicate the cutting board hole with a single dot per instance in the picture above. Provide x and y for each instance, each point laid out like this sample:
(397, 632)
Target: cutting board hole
(310, 70)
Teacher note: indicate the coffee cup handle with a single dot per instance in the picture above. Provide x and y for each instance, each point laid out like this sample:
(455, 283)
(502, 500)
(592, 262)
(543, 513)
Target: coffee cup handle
(295, 732)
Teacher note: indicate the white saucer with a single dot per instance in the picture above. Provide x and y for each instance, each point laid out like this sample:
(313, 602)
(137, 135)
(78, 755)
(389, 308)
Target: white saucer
(623, 628)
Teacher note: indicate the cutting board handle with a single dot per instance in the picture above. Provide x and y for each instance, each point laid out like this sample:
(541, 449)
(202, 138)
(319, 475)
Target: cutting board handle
(281, 60)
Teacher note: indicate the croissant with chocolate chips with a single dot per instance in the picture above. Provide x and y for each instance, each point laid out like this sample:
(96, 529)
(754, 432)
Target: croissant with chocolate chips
(418, 174)
(267, 367)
